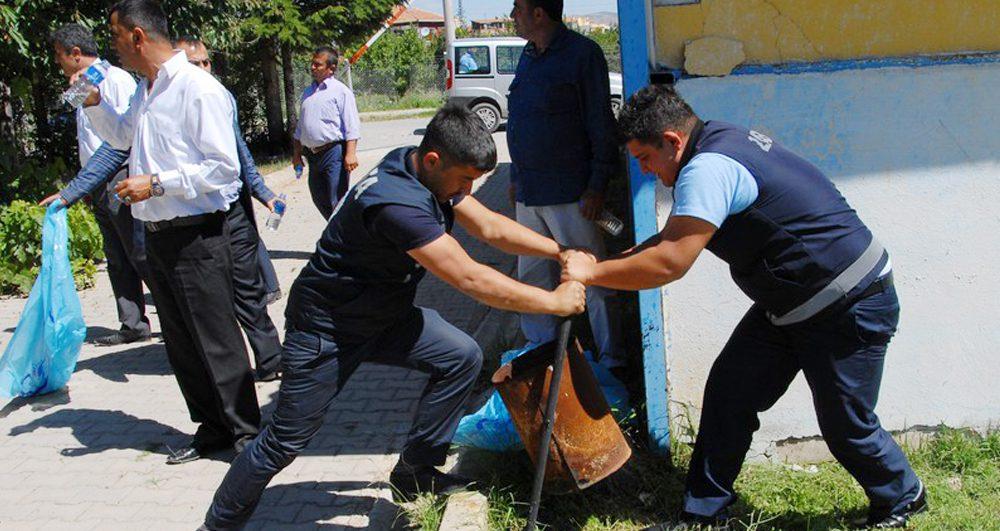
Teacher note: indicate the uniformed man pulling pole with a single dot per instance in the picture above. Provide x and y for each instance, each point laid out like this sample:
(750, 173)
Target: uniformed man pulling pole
(353, 302)
(821, 286)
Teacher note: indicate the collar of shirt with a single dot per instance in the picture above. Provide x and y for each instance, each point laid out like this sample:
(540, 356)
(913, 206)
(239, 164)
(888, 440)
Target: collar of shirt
(557, 42)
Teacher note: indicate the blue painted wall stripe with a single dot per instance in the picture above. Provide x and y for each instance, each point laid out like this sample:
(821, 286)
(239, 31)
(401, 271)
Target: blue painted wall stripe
(634, 27)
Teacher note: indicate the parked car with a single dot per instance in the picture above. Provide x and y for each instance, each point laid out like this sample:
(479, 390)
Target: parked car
(480, 72)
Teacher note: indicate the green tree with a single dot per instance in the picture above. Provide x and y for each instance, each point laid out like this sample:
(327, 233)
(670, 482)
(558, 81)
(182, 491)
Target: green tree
(393, 57)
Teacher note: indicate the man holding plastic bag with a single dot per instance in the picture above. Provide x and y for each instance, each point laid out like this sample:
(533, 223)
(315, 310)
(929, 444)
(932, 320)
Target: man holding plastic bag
(41, 356)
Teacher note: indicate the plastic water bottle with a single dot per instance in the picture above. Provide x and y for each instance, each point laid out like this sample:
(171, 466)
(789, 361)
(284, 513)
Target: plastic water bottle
(279, 210)
(80, 89)
(607, 221)
(298, 171)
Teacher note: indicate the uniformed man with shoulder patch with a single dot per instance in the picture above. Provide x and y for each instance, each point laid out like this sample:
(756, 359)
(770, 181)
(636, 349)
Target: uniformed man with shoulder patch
(822, 292)
(353, 303)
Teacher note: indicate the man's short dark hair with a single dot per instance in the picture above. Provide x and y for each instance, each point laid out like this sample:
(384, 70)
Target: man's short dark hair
(552, 8)
(145, 14)
(332, 55)
(651, 111)
(189, 39)
(460, 137)
(74, 35)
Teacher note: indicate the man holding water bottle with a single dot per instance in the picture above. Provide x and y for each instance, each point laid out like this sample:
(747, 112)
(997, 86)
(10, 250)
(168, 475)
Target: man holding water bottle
(183, 160)
(75, 50)
(249, 263)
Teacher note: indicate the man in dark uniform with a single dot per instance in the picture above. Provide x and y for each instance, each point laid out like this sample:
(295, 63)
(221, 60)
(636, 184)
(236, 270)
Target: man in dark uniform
(353, 303)
(820, 282)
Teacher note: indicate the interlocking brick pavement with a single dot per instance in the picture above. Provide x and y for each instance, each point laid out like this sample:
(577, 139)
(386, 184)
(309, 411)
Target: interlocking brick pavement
(92, 456)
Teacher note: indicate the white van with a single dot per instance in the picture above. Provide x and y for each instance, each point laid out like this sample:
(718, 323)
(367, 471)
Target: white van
(480, 71)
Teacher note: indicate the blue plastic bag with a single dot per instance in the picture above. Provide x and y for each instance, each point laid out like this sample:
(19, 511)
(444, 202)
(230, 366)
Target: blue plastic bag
(41, 356)
(491, 428)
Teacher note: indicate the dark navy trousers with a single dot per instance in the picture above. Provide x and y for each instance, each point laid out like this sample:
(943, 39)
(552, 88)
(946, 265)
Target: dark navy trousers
(841, 354)
(328, 178)
(315, 369)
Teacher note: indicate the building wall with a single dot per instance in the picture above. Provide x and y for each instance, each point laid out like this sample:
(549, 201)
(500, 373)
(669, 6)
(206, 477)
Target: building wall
(779, 31)
(916, 151)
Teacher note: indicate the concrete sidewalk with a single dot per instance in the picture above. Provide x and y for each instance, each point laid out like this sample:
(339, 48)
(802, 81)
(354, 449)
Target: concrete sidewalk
(92, 457)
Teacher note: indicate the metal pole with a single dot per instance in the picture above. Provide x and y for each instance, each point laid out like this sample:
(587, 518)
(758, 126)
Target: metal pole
(542, 456)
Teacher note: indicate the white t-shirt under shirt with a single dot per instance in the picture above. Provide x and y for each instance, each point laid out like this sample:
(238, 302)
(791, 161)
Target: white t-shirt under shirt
(117, 87)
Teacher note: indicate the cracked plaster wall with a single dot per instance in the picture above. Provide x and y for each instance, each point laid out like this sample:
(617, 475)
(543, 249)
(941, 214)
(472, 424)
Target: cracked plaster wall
(780, 31)
(916, 152)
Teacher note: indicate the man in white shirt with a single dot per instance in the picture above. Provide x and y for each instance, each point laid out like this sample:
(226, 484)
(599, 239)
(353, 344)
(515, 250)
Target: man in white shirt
(179, 126)
(75, 50)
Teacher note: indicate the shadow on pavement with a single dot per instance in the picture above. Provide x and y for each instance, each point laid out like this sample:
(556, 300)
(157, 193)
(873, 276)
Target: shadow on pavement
(114, 430)
(322, 501)
(37, 403)
(149, 359)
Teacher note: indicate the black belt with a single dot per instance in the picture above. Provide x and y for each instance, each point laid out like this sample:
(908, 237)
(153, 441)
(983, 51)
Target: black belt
(184, 221)
(878, 286)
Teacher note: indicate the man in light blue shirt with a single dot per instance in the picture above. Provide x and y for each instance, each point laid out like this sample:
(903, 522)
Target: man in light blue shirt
(328, 131)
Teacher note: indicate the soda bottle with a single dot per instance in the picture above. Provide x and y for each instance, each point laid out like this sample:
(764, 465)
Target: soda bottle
(279, 210)
(80, 89)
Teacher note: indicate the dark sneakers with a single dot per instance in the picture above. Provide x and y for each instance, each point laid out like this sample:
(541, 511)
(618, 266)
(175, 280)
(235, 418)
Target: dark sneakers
(122, 337)
(900, 518)
(410, 480)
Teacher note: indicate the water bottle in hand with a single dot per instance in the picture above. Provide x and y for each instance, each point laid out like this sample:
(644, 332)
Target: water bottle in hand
(607, 221)
(279, 210)
(80, 89)
(298, 171)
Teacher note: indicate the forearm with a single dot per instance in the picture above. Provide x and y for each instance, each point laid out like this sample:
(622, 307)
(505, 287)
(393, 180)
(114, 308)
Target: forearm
(645, 269)
(111, 125)
(497, 290)
(296, 149)
(513, 238)
(98, 170)
(251, 176)
(351, 148)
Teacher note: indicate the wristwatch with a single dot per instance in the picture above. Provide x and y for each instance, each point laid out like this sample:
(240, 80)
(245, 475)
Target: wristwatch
(155, 188)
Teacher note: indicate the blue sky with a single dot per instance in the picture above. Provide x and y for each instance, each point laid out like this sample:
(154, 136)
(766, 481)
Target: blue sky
(492, 8)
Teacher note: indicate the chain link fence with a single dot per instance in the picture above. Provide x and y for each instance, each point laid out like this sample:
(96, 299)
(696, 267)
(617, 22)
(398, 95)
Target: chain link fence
(419, 85)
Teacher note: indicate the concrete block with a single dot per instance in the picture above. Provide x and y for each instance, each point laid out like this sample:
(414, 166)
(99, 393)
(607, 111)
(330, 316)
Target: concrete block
(466, 511)
(713, 56)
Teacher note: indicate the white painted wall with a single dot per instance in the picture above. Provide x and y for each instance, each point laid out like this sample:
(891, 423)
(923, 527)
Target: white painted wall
(916, 151)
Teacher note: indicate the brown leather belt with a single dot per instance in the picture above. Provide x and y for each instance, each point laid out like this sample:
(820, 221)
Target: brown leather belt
(321, 149)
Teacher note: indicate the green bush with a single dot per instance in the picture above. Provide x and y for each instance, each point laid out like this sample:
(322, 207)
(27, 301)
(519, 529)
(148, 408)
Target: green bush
(21, 246)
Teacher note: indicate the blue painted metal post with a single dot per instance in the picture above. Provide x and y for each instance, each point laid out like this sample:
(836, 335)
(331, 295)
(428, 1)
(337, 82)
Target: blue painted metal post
(635, 30)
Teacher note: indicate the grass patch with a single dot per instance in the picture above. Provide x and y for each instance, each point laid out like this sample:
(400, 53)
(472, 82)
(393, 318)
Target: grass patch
(411, 100)
(960, 468)
(274, 164)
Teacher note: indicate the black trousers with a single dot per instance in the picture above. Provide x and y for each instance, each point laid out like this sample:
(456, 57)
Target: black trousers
(191, 278)
(125, 252)
(249, 292)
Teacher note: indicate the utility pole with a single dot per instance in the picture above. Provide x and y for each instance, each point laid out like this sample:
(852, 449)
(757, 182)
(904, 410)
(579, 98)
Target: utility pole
(449, 24)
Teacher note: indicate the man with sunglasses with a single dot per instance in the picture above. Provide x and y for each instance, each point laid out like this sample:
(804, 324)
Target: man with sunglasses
(251, 264)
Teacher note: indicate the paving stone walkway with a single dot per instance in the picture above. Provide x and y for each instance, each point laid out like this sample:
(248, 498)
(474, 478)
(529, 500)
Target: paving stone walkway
(92, 456)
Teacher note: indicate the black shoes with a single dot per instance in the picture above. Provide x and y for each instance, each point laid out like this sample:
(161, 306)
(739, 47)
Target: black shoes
(267, 376)
(410, 480)
(900, 518)
(197, 450)
(122, 337)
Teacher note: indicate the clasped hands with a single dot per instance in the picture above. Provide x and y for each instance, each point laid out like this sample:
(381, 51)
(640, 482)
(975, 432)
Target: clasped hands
(577, 265)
